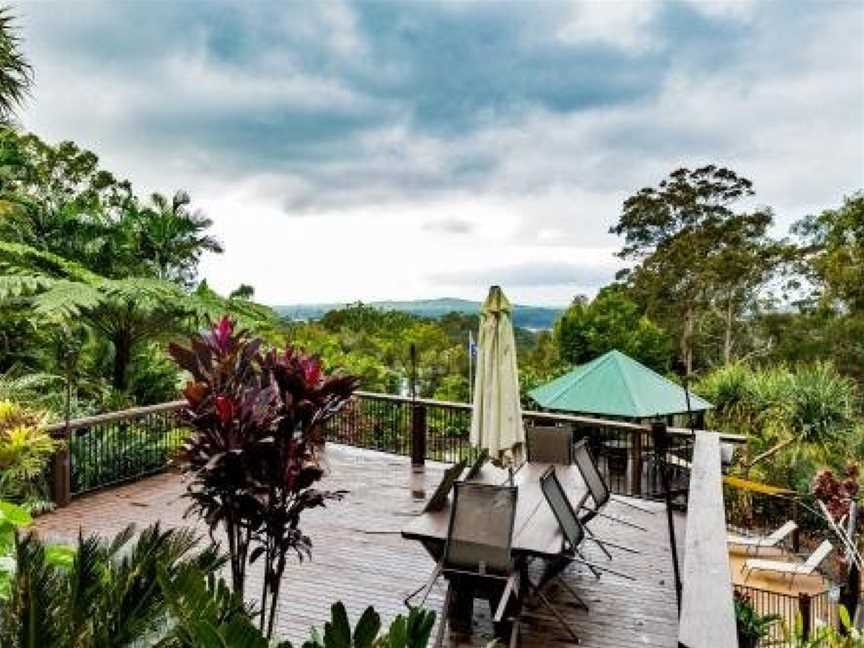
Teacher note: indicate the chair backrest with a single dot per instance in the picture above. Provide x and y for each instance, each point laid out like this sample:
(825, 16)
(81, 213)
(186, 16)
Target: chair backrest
(439, 497)
(550, 444)
(554, 493)
(481, 528)
(818, 556)
(584, 460)
(783, 531)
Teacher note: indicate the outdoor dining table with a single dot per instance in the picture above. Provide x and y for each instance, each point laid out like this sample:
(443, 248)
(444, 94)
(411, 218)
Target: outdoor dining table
(536, 533)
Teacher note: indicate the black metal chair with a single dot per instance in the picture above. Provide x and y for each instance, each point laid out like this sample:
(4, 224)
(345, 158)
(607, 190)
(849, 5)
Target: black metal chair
(574, 534)
(599, 492)
(478, 547)
(549, 444)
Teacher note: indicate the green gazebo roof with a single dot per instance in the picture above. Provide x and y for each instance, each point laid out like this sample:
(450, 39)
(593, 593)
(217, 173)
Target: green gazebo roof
(616, 385)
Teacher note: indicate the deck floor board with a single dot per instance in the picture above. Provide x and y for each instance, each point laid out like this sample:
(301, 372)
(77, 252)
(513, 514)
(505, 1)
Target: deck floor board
(359, 556)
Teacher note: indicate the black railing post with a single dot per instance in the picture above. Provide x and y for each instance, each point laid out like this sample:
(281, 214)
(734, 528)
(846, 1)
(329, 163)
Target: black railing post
(61, 473)
(804, 607)
(418, 435)
(660, 437)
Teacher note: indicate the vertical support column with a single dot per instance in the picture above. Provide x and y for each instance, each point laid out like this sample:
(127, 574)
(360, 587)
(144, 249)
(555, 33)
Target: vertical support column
(804, 607)
(636, 465)
(796, 534)
(61, 474)
(418, 436)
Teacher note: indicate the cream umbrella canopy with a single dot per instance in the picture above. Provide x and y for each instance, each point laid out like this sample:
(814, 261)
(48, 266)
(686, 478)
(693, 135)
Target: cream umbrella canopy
(496, 421)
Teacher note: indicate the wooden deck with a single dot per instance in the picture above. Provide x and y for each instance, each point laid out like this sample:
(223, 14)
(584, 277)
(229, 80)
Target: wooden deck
(360, 558)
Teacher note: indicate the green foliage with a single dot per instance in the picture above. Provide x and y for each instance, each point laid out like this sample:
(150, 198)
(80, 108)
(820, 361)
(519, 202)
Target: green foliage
(796, 417)
(25, 450)
(835, 246)
(612, 320)
(752, 626)
(695, 256)
(826, 636)
(108, 595)
(16, 75)
(410, 632)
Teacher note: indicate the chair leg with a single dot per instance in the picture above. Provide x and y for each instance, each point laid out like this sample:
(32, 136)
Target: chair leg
(558, 616)
(445, 613)
(588, 564)
(605, 550)
(514, 634)
(579, 602)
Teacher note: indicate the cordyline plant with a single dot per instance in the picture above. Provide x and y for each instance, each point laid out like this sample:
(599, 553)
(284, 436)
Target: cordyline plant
(258, 418)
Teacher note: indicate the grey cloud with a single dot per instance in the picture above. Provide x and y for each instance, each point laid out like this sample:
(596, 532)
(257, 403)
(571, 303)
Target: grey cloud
(530, 275)
(450, 226)
(378, 102)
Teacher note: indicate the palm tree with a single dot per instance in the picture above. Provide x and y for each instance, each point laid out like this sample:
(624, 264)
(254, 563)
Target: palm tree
(16, 75)
(172, 237)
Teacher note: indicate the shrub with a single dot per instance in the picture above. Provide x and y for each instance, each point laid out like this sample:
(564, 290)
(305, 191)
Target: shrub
(25, 450)
(258, 423)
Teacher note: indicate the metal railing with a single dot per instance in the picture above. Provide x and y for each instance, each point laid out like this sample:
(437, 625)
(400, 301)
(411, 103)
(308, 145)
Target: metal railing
(434, 430)
(121, 446)
(113, 448)
(813, 610)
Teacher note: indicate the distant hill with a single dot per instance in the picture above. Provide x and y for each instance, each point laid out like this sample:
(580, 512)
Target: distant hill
(531, 317)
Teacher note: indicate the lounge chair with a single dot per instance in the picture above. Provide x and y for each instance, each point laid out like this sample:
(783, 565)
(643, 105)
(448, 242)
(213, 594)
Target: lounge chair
(775, 539)
(478, 548)
(550, 444)
(789, 568)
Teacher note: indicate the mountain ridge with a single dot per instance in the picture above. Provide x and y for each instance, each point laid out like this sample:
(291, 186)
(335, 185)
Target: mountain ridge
(526, 316)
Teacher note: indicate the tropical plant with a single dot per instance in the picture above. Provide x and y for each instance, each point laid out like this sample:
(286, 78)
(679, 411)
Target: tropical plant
(16, 75)
(797, 416)
(173, 238)
(128, 312)
(107, 596)
(258, 422)
(752, 626)
(25, 450)
(826, 636)
(410, 632)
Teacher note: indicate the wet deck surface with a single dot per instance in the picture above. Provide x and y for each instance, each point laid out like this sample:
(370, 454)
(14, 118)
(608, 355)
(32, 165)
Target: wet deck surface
(359, 556)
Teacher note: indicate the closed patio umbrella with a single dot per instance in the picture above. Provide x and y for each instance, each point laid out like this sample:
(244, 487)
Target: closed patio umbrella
(496, 421)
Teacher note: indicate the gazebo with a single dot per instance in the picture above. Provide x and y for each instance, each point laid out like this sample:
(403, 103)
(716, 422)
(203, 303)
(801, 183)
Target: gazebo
(616, 385)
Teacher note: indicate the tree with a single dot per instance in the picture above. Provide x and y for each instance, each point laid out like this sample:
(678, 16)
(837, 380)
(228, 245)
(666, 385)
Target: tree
(16, 75)
(612, 320)
(693, 253)
(243, 291)
(128, 312)
(834, 253)
(172, 238)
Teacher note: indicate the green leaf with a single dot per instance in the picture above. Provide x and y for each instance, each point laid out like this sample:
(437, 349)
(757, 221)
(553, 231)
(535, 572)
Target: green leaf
(60, 556)
(14, 515)
(337, 631)
(367, 628)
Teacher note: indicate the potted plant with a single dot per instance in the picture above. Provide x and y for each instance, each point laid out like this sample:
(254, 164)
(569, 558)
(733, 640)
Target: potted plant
(752, 626)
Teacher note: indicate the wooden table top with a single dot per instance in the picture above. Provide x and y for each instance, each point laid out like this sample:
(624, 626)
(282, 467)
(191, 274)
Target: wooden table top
(536, 531)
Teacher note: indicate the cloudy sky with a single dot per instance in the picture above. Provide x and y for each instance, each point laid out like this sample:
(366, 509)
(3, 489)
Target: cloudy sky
(403, 149)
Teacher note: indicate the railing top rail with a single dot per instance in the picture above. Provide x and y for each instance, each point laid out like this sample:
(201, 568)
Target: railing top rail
(131, 413)
(707, 613)
(552, 416)
(137, 412)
